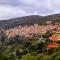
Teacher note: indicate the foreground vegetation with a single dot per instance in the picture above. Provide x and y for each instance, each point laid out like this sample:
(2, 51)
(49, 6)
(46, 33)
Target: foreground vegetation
(21, 48)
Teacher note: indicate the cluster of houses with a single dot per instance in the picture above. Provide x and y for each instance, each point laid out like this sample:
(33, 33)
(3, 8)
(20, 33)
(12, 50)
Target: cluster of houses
(28, 31)
(55, 38)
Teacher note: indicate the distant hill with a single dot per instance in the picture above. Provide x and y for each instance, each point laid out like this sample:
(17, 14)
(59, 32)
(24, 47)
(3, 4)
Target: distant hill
(28, 20)
(54, 17)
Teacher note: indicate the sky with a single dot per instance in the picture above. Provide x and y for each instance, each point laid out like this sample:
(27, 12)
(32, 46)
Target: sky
(18, 8)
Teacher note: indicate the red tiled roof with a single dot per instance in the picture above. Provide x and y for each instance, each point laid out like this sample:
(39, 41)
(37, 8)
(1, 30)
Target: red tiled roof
(53, 45)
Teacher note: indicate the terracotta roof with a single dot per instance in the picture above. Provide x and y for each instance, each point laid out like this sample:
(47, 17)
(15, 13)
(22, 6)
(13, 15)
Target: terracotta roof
(53, 45)
(55, 37)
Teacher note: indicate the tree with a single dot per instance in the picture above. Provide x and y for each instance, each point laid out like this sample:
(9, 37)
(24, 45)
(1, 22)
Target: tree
(4, 37)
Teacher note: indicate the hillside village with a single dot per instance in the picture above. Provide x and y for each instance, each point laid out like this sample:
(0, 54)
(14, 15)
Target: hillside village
(32, 39)
(28, 31)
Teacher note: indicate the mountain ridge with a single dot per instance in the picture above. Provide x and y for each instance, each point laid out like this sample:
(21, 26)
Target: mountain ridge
(28, 20)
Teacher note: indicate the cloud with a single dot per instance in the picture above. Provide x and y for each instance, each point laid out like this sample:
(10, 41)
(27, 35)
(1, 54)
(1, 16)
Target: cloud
(7, 11)
(55, 3)
(10, 12)
(18, 8)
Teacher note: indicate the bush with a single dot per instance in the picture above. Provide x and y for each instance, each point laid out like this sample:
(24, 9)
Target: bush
(57, 58)
(55, 55)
